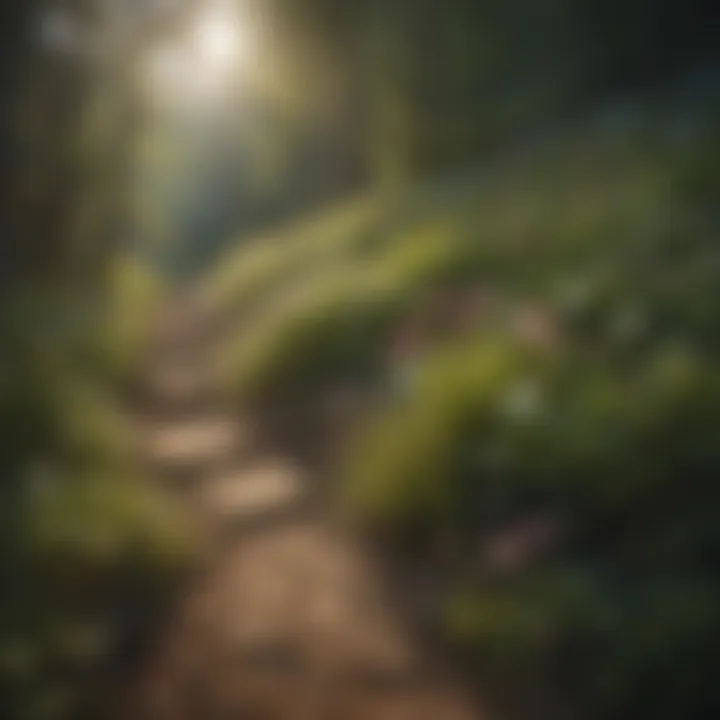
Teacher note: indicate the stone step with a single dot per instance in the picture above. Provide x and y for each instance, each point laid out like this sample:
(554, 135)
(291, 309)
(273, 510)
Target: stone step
(245, 493)
(194, 442)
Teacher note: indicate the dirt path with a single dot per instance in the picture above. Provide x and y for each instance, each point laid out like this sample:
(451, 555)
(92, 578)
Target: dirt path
(290, 620)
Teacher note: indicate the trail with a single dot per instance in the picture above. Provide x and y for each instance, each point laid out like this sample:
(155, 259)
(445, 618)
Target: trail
(290, 618)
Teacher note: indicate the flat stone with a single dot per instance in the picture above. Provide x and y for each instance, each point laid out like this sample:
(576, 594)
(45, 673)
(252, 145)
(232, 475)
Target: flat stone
(191, 442)
(253, 491)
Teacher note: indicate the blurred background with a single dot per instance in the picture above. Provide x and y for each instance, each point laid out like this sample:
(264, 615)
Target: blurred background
(458, 259)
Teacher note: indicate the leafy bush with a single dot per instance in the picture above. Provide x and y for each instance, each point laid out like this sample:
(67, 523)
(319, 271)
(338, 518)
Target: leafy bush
(542, 229)
(337, 324)
(586, 391)
(490, 436)
(90, 550)
(262, 267)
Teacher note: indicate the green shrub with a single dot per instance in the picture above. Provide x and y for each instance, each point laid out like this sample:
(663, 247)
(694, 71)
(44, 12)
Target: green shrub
(88, 549)
(626, 455)
(267, 265)
(403, 470)
(337, 325)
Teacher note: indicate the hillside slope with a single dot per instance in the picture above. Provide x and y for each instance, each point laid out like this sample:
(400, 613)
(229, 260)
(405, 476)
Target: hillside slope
(521, 364)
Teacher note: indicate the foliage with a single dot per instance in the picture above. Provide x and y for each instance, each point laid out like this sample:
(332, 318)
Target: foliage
(136, 292)
(610, 429)
(583, 389)
(89, 549)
